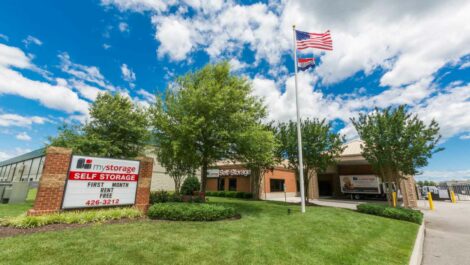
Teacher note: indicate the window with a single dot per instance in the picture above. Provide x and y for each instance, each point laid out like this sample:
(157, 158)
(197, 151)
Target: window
(232, 184)
(221, 184)
(276, 185)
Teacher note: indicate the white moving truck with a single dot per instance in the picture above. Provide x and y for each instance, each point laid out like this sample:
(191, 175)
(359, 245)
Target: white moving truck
(363, 186)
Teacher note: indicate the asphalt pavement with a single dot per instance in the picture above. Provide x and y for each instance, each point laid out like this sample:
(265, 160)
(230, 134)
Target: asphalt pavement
(447, 234)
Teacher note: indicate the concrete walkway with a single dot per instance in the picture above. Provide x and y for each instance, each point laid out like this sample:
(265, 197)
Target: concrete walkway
(447, 236)
(347, 204)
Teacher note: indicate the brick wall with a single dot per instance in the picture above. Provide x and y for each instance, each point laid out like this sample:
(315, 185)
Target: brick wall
(52, 182)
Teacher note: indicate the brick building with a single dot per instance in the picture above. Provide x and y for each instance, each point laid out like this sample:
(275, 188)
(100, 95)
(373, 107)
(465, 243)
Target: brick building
(279, 182)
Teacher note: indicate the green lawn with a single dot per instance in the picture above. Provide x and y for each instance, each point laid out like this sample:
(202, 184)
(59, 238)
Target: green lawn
(264, 235)
(17, 209)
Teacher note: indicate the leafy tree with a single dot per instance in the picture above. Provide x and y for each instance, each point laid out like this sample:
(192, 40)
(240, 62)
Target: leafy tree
(396, 143)
(206, 111)
(320, 147)
(175, 159)
(256, 147)
(117, 128)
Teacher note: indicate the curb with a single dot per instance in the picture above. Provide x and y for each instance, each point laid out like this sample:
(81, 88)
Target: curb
(418, 248)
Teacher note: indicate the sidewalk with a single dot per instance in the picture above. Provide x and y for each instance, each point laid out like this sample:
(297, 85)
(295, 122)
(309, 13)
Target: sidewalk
(324, 202)
(447, 236)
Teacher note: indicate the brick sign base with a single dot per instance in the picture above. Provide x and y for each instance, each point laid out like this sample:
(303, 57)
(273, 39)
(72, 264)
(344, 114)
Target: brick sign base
(54, 175)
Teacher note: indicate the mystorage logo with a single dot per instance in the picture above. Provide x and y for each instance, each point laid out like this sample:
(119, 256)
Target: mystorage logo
(84, 163)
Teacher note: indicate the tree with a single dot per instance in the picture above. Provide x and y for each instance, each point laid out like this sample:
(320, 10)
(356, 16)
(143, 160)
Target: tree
(205, 111)
(175, 159)
(320, 147)
(256, 147)
(117, 128)
(396, 143)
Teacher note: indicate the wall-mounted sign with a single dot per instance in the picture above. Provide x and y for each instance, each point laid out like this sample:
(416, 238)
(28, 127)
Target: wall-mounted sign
(213, 173)
(99, 182)
(234, 172)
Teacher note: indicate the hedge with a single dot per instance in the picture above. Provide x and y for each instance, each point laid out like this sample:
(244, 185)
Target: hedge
(399, 213)
(190, 212)
(230, 194)
(165, 196)
(76, 217)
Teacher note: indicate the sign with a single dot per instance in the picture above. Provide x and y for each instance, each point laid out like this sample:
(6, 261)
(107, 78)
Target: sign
(99, 182)
(234, 172)
(212, 173)
(366, 184)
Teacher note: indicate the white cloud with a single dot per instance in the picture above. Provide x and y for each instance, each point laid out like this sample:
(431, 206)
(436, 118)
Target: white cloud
(127, 74)
(55, 96)
(8, 119)
(106, 46)
(444, 175)
(12, 56)
(465, 137)
(139, 5)
(4, 37)
(87, 91)
(23, 136)
(32, 40)
(146, 95)
(450, 108)
(123, 27)
(174, 35)
(236, 65)
(410, 40)
(465, 65)
(4, 155)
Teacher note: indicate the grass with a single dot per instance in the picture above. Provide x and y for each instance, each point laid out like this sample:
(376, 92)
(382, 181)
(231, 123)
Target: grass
(265, 234)
(18, 208)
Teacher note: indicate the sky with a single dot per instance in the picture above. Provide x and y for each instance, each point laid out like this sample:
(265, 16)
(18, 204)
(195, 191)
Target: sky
(56, 56)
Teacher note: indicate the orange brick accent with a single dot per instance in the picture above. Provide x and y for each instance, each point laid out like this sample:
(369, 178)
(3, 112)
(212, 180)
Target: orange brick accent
(281, 173)
(52, 182)
(143, 187)
(51, 185)
(212, 184)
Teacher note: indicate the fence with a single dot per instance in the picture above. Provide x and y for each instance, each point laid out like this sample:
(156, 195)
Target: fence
(462, 191)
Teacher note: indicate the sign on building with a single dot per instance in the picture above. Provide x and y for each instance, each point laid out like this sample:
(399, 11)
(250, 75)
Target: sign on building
(99, 182)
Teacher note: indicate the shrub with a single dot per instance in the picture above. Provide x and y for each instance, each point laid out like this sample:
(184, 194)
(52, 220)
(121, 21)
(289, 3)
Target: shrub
(76, 217)
(159, 196)
(399, 213)
(190, 212)
(240, 194)
(190, 185)
(231, 194)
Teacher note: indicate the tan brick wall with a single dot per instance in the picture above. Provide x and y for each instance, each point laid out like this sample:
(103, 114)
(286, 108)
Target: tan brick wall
(408, 189)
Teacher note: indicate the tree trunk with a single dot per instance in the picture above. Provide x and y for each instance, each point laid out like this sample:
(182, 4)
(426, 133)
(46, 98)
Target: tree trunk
(204, 176)
(255, 182)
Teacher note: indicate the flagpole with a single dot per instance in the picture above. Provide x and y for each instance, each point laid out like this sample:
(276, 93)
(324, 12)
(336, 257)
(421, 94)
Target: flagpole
(299, 134)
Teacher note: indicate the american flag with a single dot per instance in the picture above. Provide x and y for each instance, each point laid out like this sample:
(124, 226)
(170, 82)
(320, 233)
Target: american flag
(314, 40)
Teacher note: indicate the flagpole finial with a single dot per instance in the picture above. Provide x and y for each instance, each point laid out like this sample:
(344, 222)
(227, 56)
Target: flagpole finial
(293, 26)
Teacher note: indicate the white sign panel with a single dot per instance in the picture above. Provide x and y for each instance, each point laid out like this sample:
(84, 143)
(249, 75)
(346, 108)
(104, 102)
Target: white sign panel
(212, 173)
(368, 184)
(99, 182)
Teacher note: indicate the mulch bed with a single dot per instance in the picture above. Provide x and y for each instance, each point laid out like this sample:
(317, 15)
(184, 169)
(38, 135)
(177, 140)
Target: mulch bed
(6, 231)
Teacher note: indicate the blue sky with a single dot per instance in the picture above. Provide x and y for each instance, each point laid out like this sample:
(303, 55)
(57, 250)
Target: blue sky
(55, 56)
